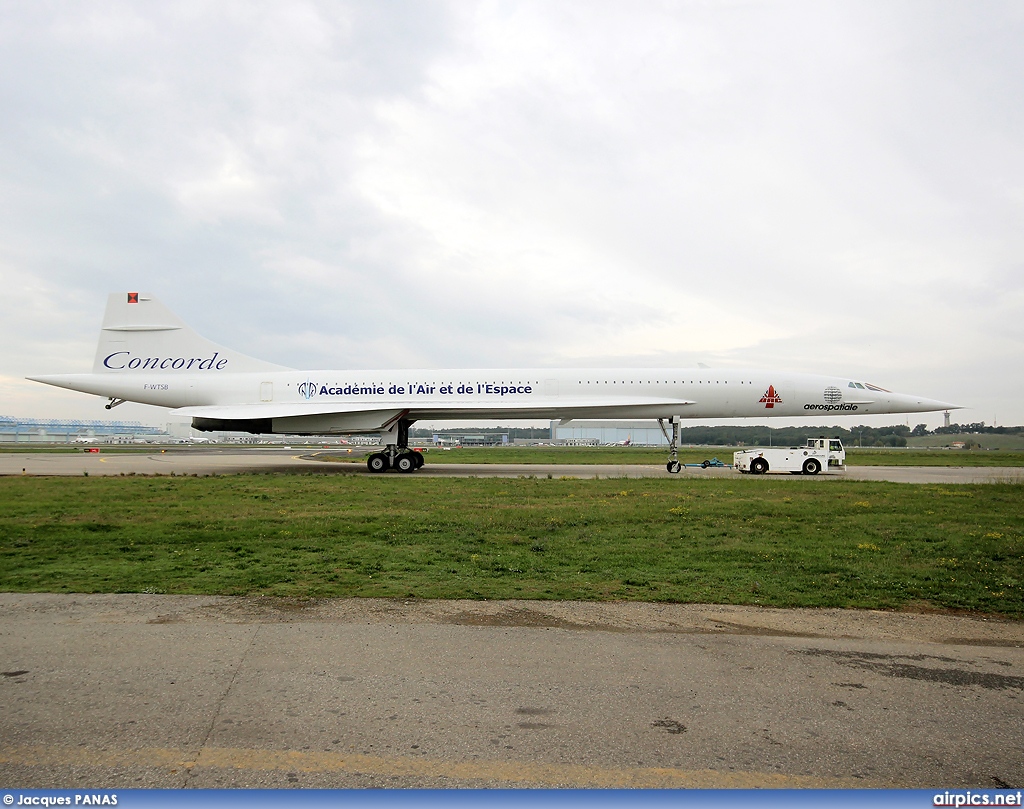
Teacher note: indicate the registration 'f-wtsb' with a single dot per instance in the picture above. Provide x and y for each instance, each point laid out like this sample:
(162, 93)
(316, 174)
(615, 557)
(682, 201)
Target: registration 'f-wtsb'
(147, 354)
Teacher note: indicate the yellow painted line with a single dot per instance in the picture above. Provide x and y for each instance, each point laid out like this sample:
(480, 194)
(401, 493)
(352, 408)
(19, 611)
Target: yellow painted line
(519, 772)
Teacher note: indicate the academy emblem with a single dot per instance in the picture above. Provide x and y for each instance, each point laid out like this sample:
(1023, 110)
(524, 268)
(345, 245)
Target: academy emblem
(770, 398)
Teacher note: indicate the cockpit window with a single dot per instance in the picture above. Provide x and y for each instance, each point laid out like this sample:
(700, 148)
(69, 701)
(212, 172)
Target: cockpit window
(860, 386)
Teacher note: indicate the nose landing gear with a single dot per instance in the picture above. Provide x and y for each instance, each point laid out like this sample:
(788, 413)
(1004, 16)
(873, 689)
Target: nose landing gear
(673, 465)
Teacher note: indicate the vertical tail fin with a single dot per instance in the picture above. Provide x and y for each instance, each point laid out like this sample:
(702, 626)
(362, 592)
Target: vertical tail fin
(141, 334)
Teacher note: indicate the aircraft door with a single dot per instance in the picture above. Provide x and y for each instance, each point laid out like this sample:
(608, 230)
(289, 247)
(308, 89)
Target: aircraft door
(551, 388)
(266, 391)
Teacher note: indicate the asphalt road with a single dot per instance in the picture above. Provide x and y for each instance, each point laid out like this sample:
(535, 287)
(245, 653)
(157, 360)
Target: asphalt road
(173, 691)
(218, 461)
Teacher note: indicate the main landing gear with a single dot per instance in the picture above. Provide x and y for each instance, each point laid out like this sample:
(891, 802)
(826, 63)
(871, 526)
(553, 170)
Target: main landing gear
(673, 465)
(394, 458)
(398, 455)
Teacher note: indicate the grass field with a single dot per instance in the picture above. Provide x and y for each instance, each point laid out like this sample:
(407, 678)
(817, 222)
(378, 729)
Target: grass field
(751, 541)
(993, 441)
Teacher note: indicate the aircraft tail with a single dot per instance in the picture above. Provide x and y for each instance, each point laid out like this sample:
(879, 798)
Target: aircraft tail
(141, 334)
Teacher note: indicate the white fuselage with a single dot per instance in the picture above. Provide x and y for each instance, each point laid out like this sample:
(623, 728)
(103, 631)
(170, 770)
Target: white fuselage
(520, 393)
(147, 354)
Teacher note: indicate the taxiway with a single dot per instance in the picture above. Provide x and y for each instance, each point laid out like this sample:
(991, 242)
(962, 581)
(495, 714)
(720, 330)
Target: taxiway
(195, 691)
(222, 461)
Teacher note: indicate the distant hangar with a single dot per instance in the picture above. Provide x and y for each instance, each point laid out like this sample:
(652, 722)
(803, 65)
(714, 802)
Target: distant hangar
(638, 433)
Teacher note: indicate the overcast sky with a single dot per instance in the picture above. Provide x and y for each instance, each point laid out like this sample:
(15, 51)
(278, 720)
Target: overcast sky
(829, 187)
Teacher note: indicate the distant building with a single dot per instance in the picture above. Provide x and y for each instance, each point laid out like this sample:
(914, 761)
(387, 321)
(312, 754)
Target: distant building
(69, 431)
(470, 440)
(583, 433)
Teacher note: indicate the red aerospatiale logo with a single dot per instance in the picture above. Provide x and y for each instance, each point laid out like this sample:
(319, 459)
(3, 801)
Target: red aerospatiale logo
(770, 398)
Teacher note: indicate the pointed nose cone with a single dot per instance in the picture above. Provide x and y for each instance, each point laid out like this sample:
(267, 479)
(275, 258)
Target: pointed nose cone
(919, 404)
(934, 404)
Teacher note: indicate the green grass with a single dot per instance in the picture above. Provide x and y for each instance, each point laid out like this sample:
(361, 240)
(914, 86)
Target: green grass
(813, 542)
(1013, 442)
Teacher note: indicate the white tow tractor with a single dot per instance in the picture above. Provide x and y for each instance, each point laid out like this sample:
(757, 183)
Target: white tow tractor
(818, 454)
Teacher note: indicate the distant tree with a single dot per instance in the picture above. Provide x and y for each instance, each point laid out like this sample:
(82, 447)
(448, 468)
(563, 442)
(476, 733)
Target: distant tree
(892, 440)
(919, 430)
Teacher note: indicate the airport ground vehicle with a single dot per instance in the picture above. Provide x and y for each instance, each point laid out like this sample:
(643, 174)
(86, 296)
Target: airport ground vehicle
(706, 464)
(810, 459)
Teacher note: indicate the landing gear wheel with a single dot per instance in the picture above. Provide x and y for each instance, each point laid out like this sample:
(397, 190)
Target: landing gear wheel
(811, 467)
(673, 466)
(406, 463)
(758, 466)
(418, 457)
(378, 462)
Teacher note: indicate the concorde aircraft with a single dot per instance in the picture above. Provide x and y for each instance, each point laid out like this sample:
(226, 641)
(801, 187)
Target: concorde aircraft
(147, 354)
